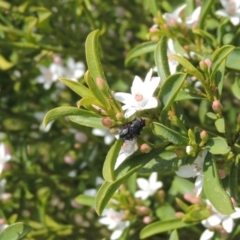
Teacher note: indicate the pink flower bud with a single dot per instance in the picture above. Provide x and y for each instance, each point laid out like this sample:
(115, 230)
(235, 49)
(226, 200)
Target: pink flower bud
(101, 83)
(221, 173)
(142, 210)
(217, 106)
(179, 214)
(107, 122)
(147, 220)
(145, 148)
(204, 135)
(203, 66)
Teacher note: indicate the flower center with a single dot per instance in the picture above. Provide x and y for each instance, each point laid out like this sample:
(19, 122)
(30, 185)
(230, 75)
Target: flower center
(139, 97)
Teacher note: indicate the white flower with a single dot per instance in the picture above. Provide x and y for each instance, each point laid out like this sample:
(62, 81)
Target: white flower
(50, 74)
(4, 155)
(74, 69)
(194, 170)
(113, 220)
(148, 187)
(128, 148)
(216, 219)
(172, 62)
(141, 96)
(192, 20)
(108, 137)
(174, 18)
(231, 10)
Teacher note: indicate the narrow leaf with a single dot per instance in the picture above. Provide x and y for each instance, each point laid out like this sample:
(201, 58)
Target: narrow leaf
(85, 200)
(174, 235)
(218, 197)
(122, 173)
(109, 163)
(232, 59)
(139, 50)
(92, 55)
(80, 116)
(220, 125)
(189, 68)
(161, 59)
(206, 5)
(217, 145)
(169, 134)
(77, 87)
(162, 226)
(15, 231)
(218, 57)
(233, 181)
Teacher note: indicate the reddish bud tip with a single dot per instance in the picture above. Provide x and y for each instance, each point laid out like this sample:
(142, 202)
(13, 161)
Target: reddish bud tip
(107, 122)
(217, 106)
(145, 148)
(147, 220)
(101, 83)
(204, 135)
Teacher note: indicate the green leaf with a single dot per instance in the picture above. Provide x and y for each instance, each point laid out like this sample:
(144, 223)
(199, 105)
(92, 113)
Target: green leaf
(218, 57)
(77, 115)
(85, 200)
(109, 163)
(122, 173)
(206, 7)
(218, 197)
(209, 37)
(220, 125)
(139, 50)
(162, 226)
(181, 185)
(15, 231)
(169, 91)
(77, 87)
(183, 95)
(153, 7)
(165, 212)
(212, 115)
(169, 134)
(232, 59)
(43, 14)
(161, 59)
(189, 68)
(30, 23)
(233, 181)
(92, 55)
(5, 64)
(235, 87)
(174, 235)
(217, 145)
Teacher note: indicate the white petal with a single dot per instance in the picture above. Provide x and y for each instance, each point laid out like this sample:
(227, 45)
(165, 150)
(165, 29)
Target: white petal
(228, 224)
(130, 112)
(236, 214)
(99, 132)
(214, 220)
(137, 85)
(108, 139)
(207, 235)
(186, 171)
(235, 20)
(142, 194)
(222, 12)
(125, 98)
(199, 185)
(152, 103)
(116, 234)
(143, 183)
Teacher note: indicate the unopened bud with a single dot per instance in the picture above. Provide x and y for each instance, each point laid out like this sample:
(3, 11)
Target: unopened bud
(204, 135)
(147, 219)
(180, 153)
(238, 118)
(221, 173)
(154, 28)
(107, 122)
(145, 148)
(217, 106)
(119, 116)
(208, 62)
(142, 210)
(179, 214)
(101, 83)
(203, 66)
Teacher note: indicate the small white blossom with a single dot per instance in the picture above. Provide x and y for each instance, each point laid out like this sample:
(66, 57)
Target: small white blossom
(141, 96)
(174, 18)
(128, 148)
(148, 187)
(194, 170)
(231, 10)
(74, 69)
(108, 137)
(50, 74)
(216, 219)
(192, 20)
(114, 221)
(4, 155)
